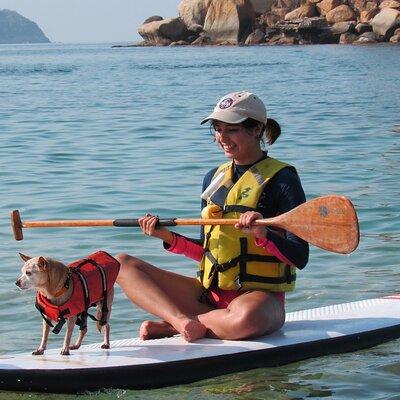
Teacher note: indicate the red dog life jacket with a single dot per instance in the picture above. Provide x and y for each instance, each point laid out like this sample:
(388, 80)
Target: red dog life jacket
(92, 278)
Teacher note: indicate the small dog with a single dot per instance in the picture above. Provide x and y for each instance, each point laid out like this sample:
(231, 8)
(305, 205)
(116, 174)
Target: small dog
(64, 293)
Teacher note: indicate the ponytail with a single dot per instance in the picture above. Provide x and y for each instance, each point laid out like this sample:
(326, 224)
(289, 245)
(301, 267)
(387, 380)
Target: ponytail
(272, 130)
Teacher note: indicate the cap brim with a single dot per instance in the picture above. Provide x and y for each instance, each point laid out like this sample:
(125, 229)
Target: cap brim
(226, 116)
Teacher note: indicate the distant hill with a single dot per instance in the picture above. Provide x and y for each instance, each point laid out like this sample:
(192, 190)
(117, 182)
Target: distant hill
(14, 28)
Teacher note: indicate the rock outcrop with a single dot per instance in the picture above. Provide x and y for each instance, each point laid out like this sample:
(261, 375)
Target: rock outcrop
(386, 22)
(14, 28)
(164, 32)
(229, 21)
(254, 22)
(340, 14)
(193, 12)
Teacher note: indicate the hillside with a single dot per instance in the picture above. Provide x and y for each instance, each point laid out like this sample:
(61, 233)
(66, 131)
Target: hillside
(14, 28)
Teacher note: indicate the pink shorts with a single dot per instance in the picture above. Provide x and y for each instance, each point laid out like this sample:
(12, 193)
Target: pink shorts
(222, 298)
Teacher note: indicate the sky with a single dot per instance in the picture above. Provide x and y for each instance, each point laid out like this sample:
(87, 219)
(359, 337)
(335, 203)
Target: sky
(91, 21)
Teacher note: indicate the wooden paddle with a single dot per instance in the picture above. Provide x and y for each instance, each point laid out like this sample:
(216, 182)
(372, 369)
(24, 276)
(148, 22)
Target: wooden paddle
(328, 222)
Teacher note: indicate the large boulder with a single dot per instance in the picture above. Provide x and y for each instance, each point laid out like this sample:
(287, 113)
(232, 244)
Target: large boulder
(325, 6)
(152, 19)
(390, 4)
(256, 37)
(343, 27)
(367, 15)
(347, 38)
(340, 14)
(386, 22)
(307, 10)
(193, 12)
(229, 21)
(163, 32)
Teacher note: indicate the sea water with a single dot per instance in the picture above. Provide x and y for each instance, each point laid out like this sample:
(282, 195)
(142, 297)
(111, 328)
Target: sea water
(90, 131)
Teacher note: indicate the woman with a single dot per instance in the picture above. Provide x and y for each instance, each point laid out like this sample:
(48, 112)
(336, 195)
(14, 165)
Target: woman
(245, 269)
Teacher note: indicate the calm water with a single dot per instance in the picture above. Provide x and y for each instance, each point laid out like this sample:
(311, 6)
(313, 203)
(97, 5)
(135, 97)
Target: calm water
(95, 132)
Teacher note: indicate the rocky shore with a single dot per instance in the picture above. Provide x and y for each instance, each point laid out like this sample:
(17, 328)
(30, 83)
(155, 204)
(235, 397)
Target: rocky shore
(274, 22)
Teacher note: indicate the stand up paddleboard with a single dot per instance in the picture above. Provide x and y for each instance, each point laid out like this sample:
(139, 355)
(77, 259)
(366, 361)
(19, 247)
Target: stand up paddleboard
(136, 364)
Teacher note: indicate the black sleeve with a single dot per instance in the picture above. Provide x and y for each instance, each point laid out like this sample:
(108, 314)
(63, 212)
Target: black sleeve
(283, 193)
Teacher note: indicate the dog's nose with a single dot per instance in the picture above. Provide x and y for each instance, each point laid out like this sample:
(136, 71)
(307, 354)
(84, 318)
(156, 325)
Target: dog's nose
(18, 283)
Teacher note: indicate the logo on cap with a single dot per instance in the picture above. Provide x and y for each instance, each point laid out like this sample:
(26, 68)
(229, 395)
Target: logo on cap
(225, 103)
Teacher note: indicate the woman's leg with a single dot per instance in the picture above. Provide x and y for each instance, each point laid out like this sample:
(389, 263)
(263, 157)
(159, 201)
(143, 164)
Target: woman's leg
(169, 296)
(252, 314)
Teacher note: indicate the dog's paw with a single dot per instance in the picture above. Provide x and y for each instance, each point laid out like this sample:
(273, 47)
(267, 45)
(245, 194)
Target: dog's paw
(105, 346)
(64, 352)
(74, 346)
(38, 352)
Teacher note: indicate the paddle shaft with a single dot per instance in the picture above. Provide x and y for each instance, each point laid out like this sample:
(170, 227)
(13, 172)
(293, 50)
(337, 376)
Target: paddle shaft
(135, 222)
(328, 222)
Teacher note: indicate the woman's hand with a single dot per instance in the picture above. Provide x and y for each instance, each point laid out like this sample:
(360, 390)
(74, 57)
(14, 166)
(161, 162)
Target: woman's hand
(148, 223)
(245, 224)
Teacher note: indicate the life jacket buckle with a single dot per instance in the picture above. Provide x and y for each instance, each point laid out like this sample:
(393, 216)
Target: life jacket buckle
(59, 325)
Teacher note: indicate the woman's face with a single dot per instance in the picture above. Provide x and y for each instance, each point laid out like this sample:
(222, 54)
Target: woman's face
(238, 143)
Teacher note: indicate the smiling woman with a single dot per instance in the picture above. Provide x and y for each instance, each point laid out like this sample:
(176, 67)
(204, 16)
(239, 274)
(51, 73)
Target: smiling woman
(244, 270)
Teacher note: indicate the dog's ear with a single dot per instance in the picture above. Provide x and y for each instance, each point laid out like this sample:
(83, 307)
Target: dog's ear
(24, 257)
(42, 263)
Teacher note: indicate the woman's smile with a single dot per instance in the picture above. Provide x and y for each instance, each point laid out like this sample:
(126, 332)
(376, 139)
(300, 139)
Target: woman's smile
(237, 142)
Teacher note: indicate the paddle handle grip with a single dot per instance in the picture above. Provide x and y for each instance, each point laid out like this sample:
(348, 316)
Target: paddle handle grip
(193, 222)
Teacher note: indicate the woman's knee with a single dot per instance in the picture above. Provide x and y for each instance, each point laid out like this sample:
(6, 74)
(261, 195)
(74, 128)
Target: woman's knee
(257, 321)
(128, 264)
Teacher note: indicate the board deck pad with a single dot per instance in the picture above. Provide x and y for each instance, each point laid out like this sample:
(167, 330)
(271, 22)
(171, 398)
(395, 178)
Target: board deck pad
(137, 364)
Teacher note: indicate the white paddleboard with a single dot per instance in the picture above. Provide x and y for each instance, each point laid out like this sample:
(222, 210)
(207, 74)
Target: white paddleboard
(137, 364)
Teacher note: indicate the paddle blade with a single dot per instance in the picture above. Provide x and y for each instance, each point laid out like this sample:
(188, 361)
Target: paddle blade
(328, 222)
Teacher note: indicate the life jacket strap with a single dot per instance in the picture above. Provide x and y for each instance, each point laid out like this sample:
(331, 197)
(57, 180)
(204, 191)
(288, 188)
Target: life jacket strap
(81, 321)
(235, 208)
(104, 308)
(60, 322)
(40, 309)
(242, 260)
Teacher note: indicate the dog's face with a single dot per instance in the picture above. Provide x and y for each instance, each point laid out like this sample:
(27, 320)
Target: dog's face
(34, 273)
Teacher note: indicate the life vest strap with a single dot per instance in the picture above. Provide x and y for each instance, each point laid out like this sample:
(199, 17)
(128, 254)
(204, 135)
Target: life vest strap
(286, 278)
(104, 308)
(48, 321)
(243, 259)
(60, 322)
(236, 208)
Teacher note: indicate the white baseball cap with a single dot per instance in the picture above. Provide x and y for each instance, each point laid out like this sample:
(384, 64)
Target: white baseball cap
(236, 107)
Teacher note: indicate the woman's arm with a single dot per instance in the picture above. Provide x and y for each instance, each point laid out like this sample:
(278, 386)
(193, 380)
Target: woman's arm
(284, 193)
(183, 245)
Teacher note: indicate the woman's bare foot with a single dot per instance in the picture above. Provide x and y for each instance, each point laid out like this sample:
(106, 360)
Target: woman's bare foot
(156, 329)
(191, 329)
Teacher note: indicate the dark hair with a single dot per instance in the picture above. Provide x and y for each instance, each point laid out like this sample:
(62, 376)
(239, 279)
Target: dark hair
(271, 129)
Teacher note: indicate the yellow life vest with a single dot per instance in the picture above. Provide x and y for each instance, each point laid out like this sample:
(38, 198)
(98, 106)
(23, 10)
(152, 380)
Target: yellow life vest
(231, 254)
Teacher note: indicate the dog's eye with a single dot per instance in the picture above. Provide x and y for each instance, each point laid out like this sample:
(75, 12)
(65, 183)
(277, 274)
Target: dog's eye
(28, 273)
